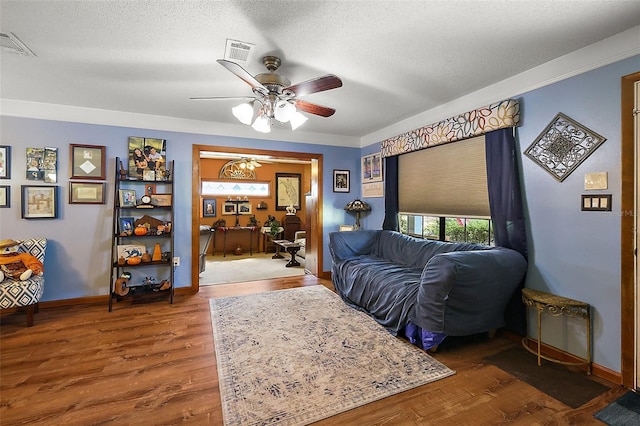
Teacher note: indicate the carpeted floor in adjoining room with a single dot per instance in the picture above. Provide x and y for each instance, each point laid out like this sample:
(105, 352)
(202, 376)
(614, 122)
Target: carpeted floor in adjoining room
(259, 266)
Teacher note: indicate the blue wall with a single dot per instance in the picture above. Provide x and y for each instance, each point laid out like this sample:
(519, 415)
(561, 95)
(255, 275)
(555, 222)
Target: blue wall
(572, 253)
(78, 256)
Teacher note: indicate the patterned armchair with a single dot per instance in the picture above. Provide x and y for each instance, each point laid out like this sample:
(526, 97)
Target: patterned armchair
(15, 293)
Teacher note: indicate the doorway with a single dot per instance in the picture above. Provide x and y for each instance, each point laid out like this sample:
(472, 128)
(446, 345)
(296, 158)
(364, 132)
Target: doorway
(630, 294)
(314, 235)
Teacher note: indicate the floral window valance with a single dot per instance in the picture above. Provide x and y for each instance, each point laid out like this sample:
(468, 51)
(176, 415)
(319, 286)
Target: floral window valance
(470, 124)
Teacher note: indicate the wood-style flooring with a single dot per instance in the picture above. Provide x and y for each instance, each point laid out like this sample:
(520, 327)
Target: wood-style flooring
(154, 363)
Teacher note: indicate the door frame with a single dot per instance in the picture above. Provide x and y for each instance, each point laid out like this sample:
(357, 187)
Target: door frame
(628, 304)
(316, 192)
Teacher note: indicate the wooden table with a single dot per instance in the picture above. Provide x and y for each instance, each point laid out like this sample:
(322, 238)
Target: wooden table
(291, 248)
(225, 229)
(557, 306)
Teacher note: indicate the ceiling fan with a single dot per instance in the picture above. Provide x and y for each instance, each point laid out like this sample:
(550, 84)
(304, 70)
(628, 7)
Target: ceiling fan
(276, 97)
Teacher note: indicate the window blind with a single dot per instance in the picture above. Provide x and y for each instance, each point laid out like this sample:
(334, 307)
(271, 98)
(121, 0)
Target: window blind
(445, 180)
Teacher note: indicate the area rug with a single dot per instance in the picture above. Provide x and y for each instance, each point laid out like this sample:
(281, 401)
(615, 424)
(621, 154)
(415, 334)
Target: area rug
(621, 412)
(571, 388)
(296, 356)
(234, 269)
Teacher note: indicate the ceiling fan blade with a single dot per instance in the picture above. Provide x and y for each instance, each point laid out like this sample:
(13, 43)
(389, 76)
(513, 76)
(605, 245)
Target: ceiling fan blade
(314, 108)
(220, 98)
(315, 85)
(244, 75)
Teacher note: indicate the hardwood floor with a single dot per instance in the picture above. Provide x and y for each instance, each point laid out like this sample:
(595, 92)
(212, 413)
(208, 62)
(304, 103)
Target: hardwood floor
(154, 363)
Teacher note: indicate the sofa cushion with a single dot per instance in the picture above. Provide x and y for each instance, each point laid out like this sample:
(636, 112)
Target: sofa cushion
(415, 252)
(385, 290)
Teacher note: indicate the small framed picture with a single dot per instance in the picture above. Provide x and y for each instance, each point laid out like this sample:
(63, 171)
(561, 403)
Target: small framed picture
(39, 202)
(208, 207)
(149, 175)
(229, 208)
(245, 208)
(130, 250)
(150, 188)
(86, 192)
(127, 197)
(5, 162)
(5, 196)
(87, 162)
(125, 225)
(341, 181)
(372, 168)
(161, 200)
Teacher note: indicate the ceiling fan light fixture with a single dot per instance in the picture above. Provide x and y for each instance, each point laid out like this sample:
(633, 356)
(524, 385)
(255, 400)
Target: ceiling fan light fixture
(284, 110)
(297, 120)
(243, 112)
(262, 124)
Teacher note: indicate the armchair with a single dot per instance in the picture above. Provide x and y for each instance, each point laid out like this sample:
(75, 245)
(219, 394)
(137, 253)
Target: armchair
(16, 293)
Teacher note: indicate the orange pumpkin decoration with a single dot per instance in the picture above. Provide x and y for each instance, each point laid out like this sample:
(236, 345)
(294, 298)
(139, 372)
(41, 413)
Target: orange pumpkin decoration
(134, 260)
(140, 230)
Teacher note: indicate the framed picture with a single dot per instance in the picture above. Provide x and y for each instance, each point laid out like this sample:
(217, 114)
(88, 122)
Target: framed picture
(5, 196)
(127, 197)
(5, 162)
(149, 175)
(208, 207)
(372, 168)
(39, 202)
(244, 208)
(86, 192)
(161, 200)
(42, 164)
(287, 190)
(150, 188)
(125, 225)
(229, 208)
(87, 162)
(341, 181)
(147, 155)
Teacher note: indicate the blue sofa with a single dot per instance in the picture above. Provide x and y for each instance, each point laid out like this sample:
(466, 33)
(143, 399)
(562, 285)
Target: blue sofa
(425, 289)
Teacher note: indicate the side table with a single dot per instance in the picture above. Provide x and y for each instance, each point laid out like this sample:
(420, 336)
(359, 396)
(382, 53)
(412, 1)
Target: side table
(556, 306)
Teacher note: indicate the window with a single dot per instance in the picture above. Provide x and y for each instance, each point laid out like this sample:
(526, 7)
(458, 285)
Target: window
(454, 229)
(443, 195)
(235, 189)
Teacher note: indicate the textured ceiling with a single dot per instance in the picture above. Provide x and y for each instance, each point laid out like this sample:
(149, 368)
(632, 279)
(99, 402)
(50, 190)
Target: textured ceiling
(396, 58)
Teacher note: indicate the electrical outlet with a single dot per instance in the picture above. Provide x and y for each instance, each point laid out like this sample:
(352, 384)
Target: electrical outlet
(176, 261)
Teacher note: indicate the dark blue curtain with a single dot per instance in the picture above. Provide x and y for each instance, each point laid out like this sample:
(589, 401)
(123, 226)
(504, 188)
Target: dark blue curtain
(505, 202)
(391, 203)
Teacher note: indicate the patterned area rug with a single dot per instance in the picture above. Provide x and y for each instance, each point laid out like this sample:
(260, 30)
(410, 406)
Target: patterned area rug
(296, 356)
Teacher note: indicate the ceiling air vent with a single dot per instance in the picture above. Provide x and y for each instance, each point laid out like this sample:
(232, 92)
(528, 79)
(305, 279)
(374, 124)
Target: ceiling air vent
(11, 43)
(237, 51)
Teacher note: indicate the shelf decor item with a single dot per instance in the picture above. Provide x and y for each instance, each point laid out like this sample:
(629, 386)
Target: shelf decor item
(157, 253)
